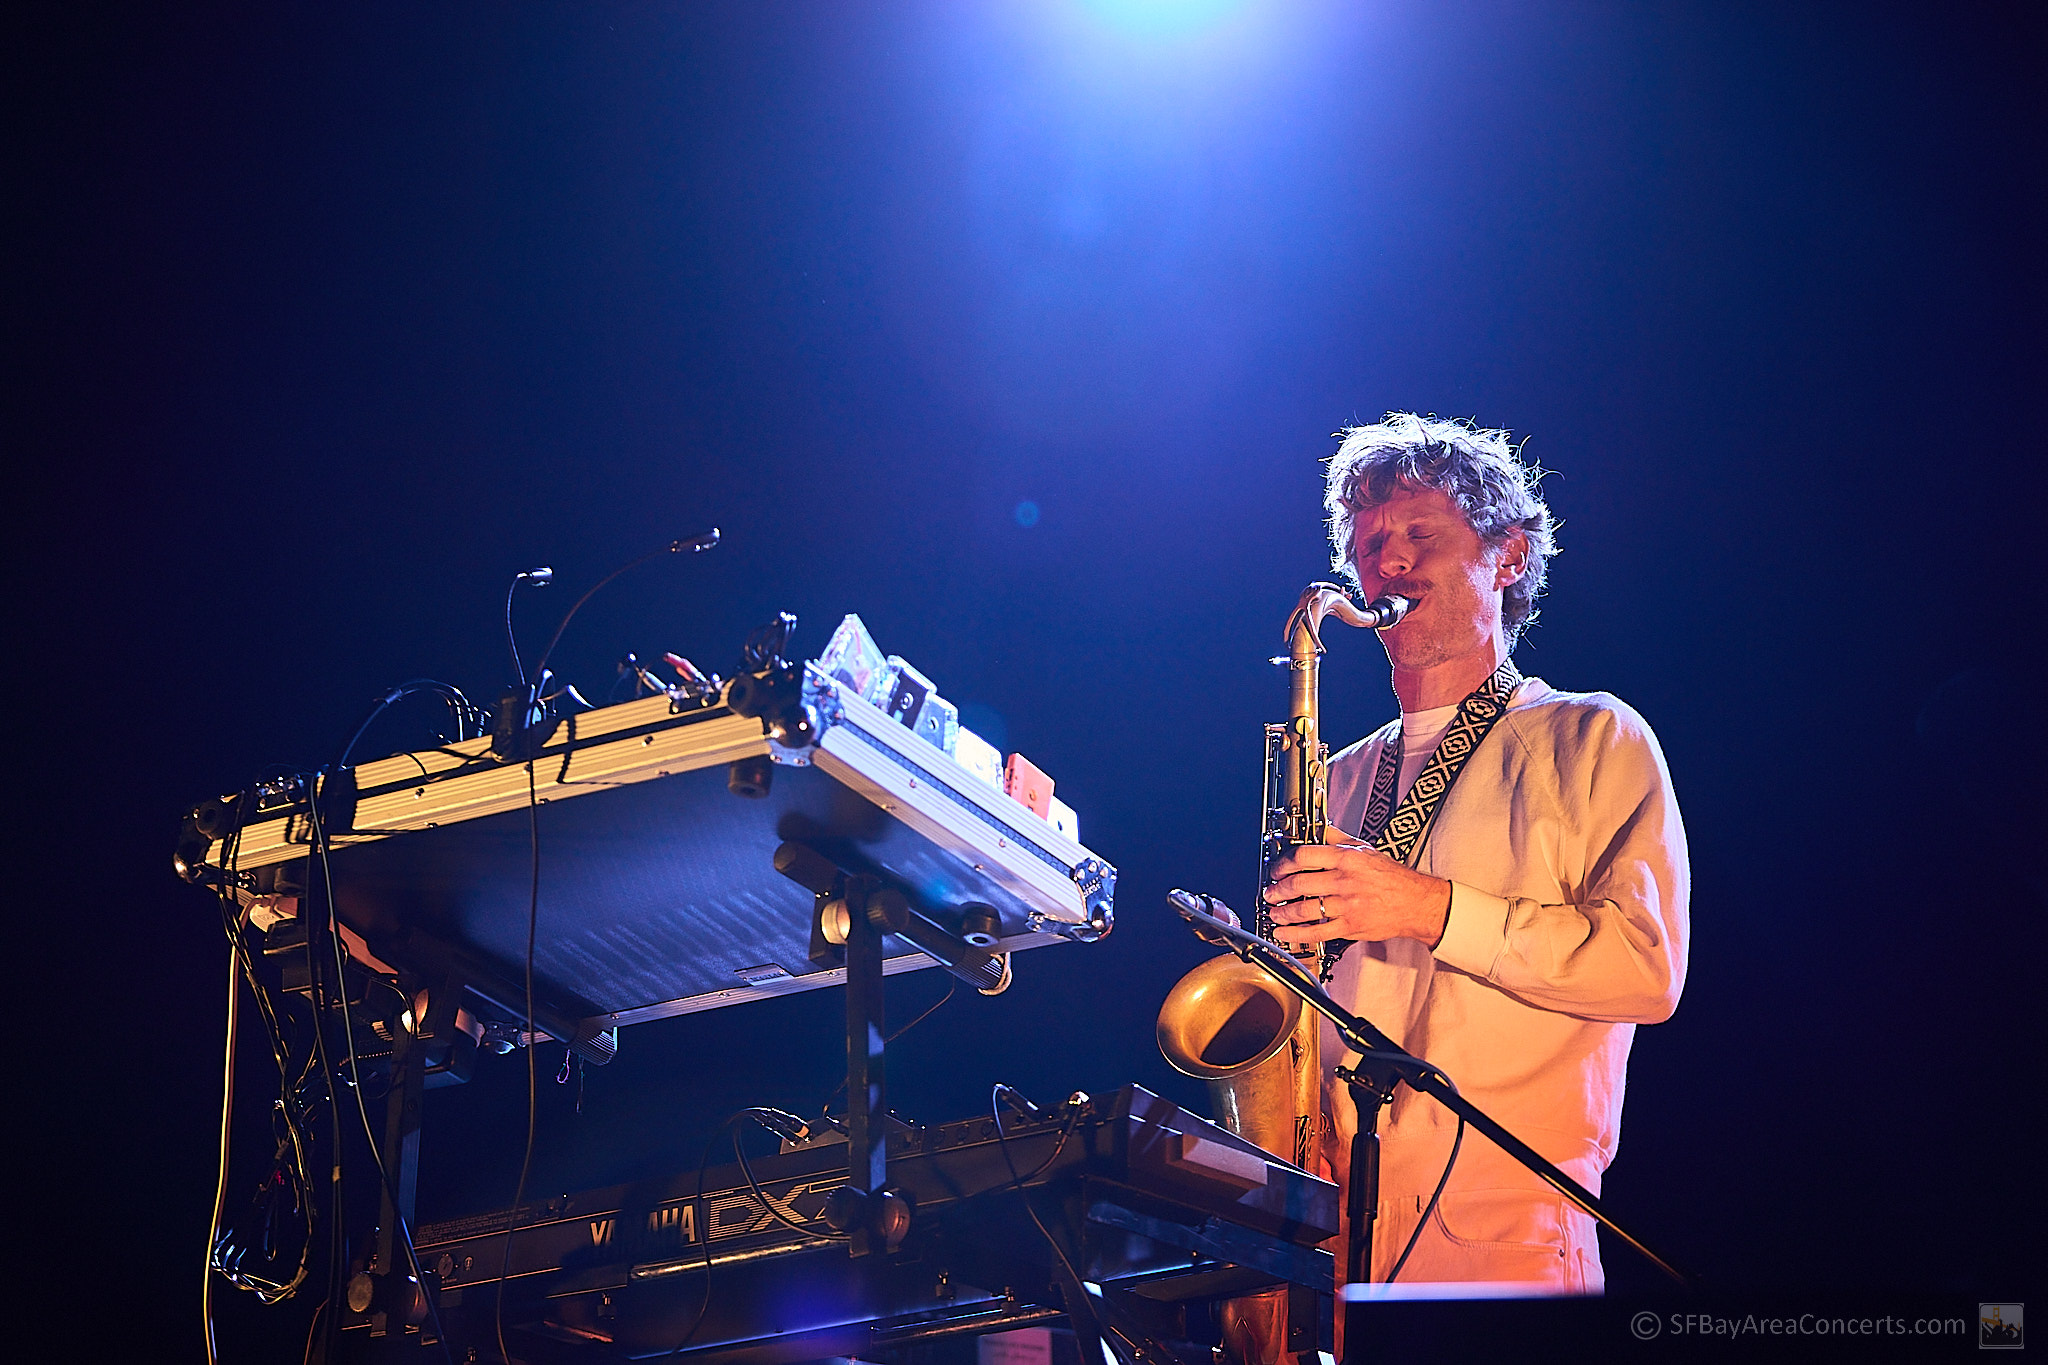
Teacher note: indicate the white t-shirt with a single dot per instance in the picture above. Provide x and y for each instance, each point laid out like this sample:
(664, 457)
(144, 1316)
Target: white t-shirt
(1420, 733)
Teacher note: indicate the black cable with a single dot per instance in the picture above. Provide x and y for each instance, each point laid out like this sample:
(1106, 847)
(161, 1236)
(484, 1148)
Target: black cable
(220, 1189)
(290, 1113)
(1002, 1142)
(333, 926)
(337, 1241)
(1416, 1066)
(337, 1250)
(1408, 1066)
(704, 1221)
(1017, 1182)
(312, 1330)
(696, 545)
(230, 915)
(288, 1109)
(512, 636)
(291, 1108)
(1130, 1342)
(1430, 1208)
(460, 706)
(952, 985)
(747, 1170)
(704, 1229)
(532, 1067)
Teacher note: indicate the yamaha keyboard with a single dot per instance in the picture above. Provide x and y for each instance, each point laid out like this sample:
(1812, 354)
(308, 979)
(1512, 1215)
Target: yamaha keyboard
(1165, 1212)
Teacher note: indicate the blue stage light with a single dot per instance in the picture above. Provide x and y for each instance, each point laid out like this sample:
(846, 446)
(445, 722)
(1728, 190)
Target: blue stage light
(1027, 513)
(1160, 18)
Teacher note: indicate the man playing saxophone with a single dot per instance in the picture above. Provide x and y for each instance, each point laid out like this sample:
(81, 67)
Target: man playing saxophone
(1505, 859)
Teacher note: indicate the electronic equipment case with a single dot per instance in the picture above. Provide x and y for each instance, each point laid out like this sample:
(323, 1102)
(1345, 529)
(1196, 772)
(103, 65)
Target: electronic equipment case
(658, 894)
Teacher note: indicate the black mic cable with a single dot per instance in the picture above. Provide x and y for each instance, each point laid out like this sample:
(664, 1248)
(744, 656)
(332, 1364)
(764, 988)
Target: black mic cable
(691, 545)
(540, 577)
(514, 739)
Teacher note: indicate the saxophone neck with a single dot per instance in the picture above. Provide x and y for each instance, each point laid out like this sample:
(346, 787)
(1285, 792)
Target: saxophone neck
(1319, 601)
(1305, 625)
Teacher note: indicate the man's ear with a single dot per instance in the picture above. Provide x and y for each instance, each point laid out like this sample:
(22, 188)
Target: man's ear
(1511, 560)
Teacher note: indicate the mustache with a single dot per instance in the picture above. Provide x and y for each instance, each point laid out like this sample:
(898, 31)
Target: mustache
(1403, 587)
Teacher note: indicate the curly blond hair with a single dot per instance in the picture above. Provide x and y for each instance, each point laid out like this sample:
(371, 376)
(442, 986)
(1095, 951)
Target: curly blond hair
(1478, 468)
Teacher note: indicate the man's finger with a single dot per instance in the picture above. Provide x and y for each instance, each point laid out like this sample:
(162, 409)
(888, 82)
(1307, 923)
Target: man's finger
(1308, 857)
(1332, 852)
(1307, 885)
(1338, 838)
(1310, 911)
(1302, 935)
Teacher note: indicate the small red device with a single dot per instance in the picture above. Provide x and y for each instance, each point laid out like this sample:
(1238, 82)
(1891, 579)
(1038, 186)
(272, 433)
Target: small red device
(1023, 781)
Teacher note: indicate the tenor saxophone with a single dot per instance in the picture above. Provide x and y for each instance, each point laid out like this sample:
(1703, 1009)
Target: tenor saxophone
(1227, 1021)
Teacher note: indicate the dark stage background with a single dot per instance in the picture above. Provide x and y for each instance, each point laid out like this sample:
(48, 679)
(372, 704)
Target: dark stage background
(1017, 328)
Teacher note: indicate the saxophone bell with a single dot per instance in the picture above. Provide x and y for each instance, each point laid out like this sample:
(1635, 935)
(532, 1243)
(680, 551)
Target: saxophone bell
(1227, 1022)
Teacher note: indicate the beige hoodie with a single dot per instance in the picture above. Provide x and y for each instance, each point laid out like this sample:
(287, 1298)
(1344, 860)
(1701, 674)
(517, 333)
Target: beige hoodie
(1568, 927)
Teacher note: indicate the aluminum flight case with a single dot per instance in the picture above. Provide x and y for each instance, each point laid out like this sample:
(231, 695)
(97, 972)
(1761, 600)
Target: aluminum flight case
(658, 890)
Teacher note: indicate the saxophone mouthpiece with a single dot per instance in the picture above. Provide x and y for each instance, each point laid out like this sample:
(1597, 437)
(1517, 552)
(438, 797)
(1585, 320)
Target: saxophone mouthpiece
(1383, 612)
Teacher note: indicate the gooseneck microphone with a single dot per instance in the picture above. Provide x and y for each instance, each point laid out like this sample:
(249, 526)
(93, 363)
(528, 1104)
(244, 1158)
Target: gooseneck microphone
(520, 714)
(539, 577)
(692, 545)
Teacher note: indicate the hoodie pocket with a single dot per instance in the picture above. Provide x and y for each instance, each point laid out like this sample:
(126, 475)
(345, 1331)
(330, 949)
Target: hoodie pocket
(1502, 1220)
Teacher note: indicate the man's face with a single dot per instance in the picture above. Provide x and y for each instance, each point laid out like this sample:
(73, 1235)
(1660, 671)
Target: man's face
(1418, 544)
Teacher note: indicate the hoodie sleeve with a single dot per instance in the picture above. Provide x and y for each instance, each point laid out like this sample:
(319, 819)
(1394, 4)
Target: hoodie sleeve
(1612, 948)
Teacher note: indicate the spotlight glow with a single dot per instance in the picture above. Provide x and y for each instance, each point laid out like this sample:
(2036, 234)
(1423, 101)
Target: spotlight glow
(1160, 18)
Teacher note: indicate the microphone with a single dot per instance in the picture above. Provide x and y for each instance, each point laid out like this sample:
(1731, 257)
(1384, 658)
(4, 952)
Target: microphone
(1386, 611)
(520, 716)
(1212, 920)
(539, 576)
(1216, 923)
(693, 545)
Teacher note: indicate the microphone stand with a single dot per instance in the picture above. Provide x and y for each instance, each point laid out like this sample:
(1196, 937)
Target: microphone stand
(1384, 1064)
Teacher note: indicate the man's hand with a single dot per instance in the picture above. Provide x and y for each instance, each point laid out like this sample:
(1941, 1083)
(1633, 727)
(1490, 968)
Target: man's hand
(1340, 888)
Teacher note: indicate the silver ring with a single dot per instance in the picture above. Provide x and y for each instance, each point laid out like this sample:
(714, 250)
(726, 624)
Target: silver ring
(1322, 910)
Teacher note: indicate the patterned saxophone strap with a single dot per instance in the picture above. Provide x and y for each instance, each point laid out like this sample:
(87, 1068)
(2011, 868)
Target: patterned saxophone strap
(1401, 831)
